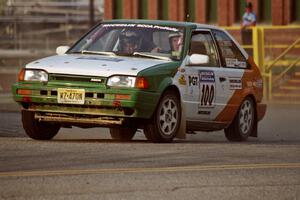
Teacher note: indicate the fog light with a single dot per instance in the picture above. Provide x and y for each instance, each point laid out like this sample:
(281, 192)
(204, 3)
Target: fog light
(122, 97)
(24, 92)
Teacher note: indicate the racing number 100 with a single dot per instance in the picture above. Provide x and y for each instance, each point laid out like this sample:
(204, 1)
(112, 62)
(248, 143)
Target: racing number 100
(208, 93)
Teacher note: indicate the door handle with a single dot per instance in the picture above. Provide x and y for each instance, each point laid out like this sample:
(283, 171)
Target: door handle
(222, 79)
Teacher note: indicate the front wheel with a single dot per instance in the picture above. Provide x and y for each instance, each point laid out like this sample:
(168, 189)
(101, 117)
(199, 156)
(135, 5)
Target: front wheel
(123, 134)
(243, 123)
(166, 120)
(38, 130)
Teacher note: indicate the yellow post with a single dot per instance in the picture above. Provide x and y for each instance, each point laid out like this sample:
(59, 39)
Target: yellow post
(258, 47)
(255, 46)
(258, 43)
(270, 86)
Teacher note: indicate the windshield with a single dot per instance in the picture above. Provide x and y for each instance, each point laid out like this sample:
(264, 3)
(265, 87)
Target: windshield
(142, 40)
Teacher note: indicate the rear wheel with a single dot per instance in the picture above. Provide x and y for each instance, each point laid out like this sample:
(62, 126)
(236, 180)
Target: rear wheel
(123, 134)
(243, 123)
(38, 130)
(166, 120)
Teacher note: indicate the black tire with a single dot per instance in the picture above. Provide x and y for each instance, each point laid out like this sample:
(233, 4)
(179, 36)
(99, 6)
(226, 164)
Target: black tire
(165, 122)
(123, 134)
(38, 130)
(243, 124)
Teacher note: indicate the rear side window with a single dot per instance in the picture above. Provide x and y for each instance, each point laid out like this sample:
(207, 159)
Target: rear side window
(231, 56)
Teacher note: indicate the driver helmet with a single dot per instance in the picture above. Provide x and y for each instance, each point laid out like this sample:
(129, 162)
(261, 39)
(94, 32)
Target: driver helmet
(129, 41)
(175, 40)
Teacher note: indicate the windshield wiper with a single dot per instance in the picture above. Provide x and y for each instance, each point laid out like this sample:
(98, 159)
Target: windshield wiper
(98, 52)
(151, 56)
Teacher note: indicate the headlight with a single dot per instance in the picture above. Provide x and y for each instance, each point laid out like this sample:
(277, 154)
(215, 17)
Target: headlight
(121, 81)
(33, 75)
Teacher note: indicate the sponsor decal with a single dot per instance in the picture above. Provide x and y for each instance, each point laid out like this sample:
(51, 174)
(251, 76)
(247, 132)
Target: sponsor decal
(99, 58)
(259, 83)
(225, 43)
(193, 80)
(250, 83)
(206, 76)
(233, 62)
(157, 27)
(119, 25)
(181, 69)
(207, 88)
(167, 28)
(204, 112)
(193, 84)
(99, 80)
(182, 80)
(235, 83)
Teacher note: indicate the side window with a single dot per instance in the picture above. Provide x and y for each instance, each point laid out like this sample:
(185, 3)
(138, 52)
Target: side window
(202, 43)
(231, 56)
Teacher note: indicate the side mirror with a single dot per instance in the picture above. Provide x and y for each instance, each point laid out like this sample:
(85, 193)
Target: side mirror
(61, 50)
(198, 59)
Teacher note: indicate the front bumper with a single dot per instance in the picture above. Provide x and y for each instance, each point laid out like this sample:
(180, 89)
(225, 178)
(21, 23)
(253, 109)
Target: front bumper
(100, 103)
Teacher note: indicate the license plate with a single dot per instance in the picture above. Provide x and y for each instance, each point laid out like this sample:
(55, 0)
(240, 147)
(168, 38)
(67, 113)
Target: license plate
(70, 96)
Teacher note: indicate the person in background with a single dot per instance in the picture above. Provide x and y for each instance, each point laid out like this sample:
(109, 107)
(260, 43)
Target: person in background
(249, 17)
(249, 20)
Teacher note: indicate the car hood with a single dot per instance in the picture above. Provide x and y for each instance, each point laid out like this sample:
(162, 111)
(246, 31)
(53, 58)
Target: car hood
(93, 65)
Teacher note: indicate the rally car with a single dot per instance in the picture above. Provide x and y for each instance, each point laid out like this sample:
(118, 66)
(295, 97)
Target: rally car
(167, 78)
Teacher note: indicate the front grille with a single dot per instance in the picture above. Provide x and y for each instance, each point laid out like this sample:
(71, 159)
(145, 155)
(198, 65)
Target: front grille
(100, 95)
(89, 94)
(43, 92)
(77, 78)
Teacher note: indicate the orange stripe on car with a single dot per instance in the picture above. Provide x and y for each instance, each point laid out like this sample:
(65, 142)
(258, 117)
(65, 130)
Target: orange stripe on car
(250, 76)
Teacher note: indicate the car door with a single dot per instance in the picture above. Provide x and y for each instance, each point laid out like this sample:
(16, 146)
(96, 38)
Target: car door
(203, 89)
(210, 88)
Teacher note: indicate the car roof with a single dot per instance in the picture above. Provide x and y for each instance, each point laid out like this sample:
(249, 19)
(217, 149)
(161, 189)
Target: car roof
(164, 23)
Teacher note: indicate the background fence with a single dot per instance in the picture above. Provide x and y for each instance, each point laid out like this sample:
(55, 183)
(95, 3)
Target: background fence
(33, 29)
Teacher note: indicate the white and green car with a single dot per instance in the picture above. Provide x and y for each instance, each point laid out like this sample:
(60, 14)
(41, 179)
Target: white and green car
(167, 78)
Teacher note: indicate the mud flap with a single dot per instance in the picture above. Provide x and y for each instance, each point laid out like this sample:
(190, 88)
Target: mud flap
(254, 132)
(182, 129)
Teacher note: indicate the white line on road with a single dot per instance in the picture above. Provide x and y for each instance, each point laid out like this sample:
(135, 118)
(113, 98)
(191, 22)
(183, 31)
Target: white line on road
(150, 170)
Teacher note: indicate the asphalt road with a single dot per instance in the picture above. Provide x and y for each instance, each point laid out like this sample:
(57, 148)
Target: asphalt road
(86, 164)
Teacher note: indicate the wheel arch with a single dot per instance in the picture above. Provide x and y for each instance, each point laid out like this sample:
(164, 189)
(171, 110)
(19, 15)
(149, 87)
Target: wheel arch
(172, 88)
(167, 85)
(163, 90)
